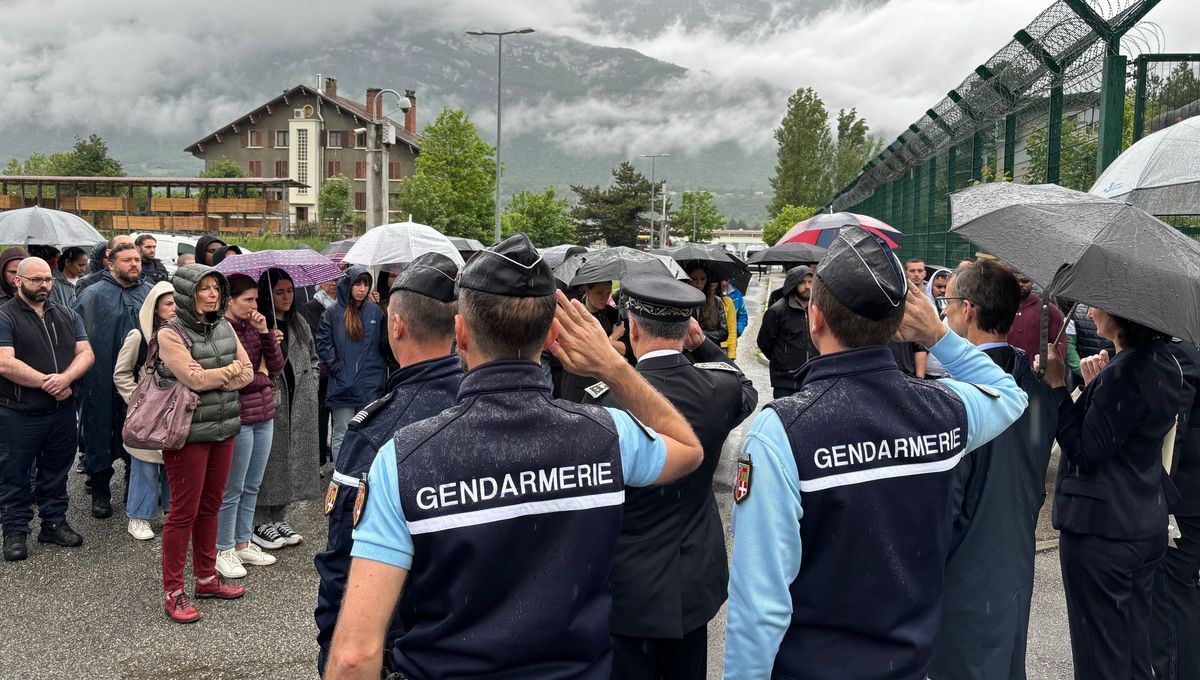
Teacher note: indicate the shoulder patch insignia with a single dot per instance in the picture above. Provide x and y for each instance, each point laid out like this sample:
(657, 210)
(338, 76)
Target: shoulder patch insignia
(596, 391)
(989, 391)
(741, 483)
(715, 366)
(331, 495)
(360, 501)
(368, 411)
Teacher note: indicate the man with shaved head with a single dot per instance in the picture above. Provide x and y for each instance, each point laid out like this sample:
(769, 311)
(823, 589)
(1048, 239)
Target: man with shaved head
(43, 352)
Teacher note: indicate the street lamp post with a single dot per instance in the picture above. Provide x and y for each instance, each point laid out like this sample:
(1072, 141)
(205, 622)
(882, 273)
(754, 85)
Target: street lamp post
(653, 157)
(499, 89)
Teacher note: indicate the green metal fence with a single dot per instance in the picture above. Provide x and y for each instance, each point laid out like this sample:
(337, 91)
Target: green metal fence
(1050, 106)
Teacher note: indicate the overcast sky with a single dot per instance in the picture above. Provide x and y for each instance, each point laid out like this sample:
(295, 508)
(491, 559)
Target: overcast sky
(160, 66)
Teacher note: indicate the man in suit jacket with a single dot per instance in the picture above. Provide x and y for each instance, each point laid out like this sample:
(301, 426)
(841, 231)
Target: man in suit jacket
(670, 575)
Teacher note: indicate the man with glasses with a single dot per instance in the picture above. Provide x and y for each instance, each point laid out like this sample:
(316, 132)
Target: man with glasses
(998, 494)
(43, 352)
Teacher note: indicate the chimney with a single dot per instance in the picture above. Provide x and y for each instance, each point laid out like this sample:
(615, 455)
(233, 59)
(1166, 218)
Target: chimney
(330, 86)
(374, 103)
(410, 116)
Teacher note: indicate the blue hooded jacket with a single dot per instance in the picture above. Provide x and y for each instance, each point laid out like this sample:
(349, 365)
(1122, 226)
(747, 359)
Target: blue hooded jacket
(357, 370)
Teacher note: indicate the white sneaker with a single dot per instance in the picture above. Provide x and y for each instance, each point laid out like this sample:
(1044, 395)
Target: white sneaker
(140, 529)
(290, 537)
(266, 536)
(253, 555)
(229, 565)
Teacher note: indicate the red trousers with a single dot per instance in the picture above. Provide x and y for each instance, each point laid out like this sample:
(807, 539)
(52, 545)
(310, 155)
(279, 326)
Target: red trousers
(196, 475)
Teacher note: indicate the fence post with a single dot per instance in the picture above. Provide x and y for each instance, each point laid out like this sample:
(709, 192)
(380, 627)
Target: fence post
(1139, 98)
(1112, 105)
(1010, 146)
(1054, 134)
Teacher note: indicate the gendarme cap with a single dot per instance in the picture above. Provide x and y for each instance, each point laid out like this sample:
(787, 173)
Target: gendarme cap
(659, 297)
(513, 268)
(431, 275)
(862, 272)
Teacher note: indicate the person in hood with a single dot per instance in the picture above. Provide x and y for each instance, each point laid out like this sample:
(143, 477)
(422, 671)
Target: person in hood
(324, 298)
(348, 344)
(225, 252)
(200, 350)
(71, 266)
(9, 259)
(98, 262)
(784, 336)
(206, 247)
(935, 290)
(999, 491)
(110, 309)
(147, 479)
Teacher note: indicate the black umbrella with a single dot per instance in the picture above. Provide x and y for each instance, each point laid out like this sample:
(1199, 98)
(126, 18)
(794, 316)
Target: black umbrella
(614, 264)
(1089, 249)
(788, 253)
(466, 245)
(554, 255)
(717, 261)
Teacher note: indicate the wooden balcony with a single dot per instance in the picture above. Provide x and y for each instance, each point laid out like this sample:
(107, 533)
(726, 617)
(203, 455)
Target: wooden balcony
(94, 203)
(237, 205)
(179, 205)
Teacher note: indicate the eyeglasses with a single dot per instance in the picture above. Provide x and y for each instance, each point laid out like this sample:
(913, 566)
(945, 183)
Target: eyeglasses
(943, 302)
(37, 280)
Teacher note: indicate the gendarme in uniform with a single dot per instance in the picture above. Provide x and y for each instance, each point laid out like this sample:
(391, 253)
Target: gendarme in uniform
(670, 572)
(843, 524)
(415, 392)
(505, 510)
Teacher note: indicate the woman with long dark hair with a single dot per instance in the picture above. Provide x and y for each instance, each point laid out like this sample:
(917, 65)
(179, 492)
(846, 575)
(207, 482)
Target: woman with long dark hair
(595, 298)
(712, 319)
(1112, 493)
(348, 343)
(290, 474)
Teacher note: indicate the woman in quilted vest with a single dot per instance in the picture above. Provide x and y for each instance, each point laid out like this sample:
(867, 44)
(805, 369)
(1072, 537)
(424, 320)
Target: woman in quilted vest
(147, 482)
(201, 350)
(252, 446)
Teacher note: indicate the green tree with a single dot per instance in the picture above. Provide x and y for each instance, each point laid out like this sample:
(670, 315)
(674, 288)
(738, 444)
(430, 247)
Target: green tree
(334, 201)
(89, 158)
(803, 167)
(1077, 160)
(544, 217)
(223, 167)
(697, 217)
(854, 147)
(38, 164)
(452, 185)
(787, 218)
(615, 214)
(1180, 88)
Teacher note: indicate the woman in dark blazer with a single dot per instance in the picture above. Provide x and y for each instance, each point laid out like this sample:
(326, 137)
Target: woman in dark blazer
(1112, 493)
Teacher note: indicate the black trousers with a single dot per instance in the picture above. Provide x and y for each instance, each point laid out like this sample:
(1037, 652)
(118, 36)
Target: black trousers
(638, 658)
(1108, 585)
(99, 457)
(323, 422)
(48, 440)
(1175, 630)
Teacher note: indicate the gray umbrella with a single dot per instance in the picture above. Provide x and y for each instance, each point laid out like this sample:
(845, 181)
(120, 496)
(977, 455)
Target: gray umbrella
(788, 253)
(554, 255)
(1088, 249)
(466, 245)
(614, 264)
(45, 227)
(1160, 173)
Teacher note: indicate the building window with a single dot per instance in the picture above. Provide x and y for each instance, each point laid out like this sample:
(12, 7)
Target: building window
(302, 161)
(360, 169)
(281, 168)
(254, 168)
(336, 139)
(360, 201)
(360, 140)
(395, 171)
(281, 139)
(254, 140)
(333, 168)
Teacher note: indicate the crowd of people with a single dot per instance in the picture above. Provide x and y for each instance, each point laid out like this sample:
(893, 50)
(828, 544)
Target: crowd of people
(520, 476)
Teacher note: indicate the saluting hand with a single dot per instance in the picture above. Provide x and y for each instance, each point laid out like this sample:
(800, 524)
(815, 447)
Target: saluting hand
(921, 323)
(582, 345)
(695, 335)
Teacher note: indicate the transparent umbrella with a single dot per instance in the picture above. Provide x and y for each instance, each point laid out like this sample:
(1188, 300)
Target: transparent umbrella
(1160, 173)
(393, 246)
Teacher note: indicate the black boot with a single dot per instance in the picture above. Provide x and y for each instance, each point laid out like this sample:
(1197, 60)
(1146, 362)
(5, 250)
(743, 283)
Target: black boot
(60, 533)
(14, 546)
(101, 507)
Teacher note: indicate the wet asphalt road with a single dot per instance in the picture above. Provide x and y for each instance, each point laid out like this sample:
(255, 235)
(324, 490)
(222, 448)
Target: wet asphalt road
(96, 611)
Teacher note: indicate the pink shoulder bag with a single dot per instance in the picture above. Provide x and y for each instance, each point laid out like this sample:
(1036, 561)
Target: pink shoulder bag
(159, 417)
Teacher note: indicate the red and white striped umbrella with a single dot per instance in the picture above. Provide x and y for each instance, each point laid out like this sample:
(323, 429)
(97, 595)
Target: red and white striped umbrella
(823, 229)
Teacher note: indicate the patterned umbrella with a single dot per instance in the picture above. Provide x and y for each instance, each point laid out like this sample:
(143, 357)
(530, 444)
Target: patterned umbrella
(337, 250)
(822, 229)
(42, 226)
(306, 267)
(1159, 173)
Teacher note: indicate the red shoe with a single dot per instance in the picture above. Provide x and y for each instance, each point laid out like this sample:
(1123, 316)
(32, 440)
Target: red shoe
(219, 588)
(180, 609)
